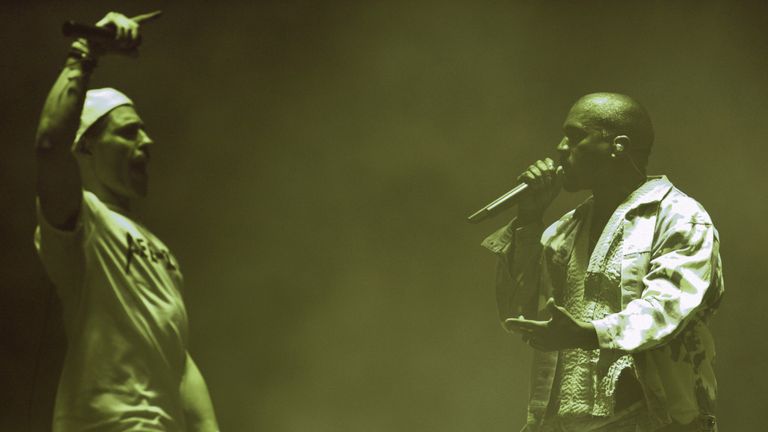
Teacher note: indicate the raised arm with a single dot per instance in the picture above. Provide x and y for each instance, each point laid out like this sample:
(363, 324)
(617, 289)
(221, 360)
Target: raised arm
(59, 186)
(58, 178)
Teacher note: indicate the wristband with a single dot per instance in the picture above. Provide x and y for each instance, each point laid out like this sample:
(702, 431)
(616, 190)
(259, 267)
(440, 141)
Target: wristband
(80, 52)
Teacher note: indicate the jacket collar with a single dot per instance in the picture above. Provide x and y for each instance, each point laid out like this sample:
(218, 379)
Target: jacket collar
(652, 191)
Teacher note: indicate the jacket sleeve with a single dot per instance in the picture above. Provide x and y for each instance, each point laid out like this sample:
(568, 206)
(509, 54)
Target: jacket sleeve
(683, 278)
(519, 252)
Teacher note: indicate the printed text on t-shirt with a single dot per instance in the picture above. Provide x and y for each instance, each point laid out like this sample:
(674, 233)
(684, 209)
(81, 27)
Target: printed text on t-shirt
(142, 248)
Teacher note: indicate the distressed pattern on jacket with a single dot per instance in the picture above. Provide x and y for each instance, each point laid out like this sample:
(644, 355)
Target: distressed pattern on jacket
(671, 281)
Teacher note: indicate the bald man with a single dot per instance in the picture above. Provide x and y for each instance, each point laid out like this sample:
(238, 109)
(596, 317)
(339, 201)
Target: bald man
(614, 296)
(127, 366)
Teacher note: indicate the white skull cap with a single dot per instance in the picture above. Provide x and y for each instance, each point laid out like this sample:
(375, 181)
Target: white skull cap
(98, 103)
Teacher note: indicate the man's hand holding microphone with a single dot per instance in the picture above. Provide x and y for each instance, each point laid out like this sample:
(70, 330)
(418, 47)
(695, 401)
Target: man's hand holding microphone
(544, 181)
(123, 38)
(538, 186)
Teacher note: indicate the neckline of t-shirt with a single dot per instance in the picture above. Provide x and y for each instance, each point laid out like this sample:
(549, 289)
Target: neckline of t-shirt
(128, 214)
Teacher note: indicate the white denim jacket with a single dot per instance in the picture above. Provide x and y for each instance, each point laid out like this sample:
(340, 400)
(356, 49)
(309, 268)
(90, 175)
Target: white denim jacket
(662, 249)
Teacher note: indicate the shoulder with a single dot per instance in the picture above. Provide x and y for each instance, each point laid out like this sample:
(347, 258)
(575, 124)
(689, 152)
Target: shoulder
(97, 213)
(92, 203)
(676, 207)
(682, 220)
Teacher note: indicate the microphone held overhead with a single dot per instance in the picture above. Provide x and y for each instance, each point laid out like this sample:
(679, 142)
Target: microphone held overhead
(91, 32)
(505, 201)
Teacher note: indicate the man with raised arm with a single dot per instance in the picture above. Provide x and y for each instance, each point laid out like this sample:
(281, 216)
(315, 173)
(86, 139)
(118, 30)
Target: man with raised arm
(614, 296)
(127, 367)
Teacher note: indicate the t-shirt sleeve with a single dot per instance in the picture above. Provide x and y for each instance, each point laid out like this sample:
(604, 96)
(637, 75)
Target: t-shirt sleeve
(62, 251)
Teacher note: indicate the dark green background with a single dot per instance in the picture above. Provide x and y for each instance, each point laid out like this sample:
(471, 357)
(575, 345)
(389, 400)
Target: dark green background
(314, 165)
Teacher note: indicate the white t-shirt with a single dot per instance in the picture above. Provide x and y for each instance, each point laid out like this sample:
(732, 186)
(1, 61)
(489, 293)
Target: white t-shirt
(125, 322)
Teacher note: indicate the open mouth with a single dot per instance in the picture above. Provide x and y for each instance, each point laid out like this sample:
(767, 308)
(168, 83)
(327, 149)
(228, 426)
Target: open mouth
(140, 159)
(139, 165)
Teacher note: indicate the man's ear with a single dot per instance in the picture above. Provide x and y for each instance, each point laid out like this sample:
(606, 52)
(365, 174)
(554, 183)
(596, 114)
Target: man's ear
(621, 143)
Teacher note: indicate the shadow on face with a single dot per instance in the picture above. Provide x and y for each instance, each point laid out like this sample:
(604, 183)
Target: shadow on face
(598, 128)
(118, 152)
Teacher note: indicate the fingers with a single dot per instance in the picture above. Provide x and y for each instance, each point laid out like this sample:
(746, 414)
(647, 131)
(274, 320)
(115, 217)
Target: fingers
(525, 326)
(558, 312)
(126, 30)
(106, 20)
(147, 17)
(548, 170)
(532, 176)
(536, 334)
(541, 173)
(550, 304)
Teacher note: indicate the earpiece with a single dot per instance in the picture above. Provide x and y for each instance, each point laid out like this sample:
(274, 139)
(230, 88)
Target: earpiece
(618, 147)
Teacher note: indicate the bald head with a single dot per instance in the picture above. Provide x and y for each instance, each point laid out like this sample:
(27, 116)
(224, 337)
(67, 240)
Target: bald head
(617, 114)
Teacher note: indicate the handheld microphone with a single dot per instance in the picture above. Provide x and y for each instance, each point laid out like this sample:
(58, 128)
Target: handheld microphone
(505, 201)
(92, 32)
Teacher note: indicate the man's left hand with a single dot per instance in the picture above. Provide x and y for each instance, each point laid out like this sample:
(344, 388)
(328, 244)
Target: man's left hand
(562, 331)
